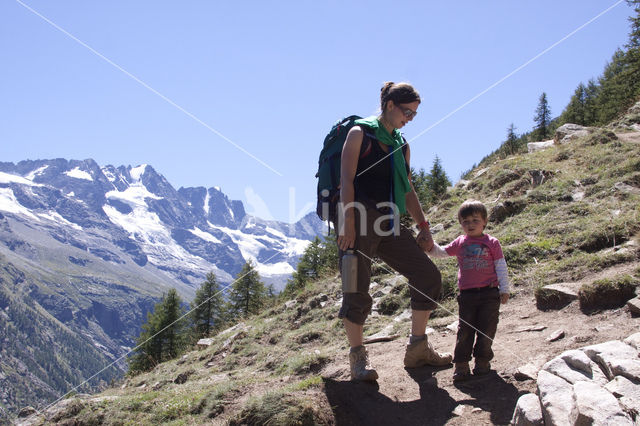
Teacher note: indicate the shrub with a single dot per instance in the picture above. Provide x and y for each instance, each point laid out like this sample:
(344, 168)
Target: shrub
(607, 293)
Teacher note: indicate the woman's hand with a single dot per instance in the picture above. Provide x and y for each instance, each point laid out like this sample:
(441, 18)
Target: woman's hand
(347, 235)
(425, 240)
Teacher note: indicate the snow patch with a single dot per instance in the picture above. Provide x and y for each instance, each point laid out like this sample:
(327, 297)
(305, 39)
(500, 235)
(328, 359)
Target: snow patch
(56, 217)
(9, 178)
(36, 172)
(79, 174)
(10, 204)
(137, 172)
(206, 204)
(205, 235)
(107, 173)
(280, 268)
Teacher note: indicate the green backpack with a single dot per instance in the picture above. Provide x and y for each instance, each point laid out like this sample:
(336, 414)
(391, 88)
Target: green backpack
(329, 166)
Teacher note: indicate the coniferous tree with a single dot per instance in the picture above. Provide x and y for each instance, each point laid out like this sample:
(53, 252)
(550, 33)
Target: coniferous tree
(590, 105)
(542, 118)
(162, 336)
(248, 293)
(437, 181)
(319, 258)
(511, 144)
(208, 308)
(575, 111)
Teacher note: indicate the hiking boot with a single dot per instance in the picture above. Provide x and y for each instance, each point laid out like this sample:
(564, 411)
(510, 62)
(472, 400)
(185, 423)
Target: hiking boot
(461, 372)
(422, 353)
(482, 367)
(361, 370)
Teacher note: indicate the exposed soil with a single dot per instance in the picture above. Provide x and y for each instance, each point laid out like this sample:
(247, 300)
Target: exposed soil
(426, 396)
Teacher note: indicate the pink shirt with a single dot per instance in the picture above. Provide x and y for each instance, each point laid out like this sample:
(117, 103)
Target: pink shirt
(476, 257)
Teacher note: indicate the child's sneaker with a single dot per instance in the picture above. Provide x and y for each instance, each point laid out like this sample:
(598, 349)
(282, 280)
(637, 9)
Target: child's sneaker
(461, 372)
(482, 367)
(421, 353)
(361, 370)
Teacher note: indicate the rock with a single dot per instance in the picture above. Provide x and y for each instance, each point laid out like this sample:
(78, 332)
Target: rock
(528, 411)
(182, 359)
(556, 398)
(290, 304)
(453, 326)
(459, 410)
(634, 305)
(526, 372)
(538, 177)
(481, 172)
(575, 366)
(437, 228)
(406, 315)
(556, 335)
(627, 392)
(26, 412)
(567, 132)
(628, 189)
(182, 378)
(596, 406)
(539, 146)
(529, 328)
(616, 359)
(556, 296)
(384, 335)
(503, 210)
(633, 340)
(204, 343)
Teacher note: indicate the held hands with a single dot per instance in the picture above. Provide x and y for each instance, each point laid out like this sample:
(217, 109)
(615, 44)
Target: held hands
(504, 297)
(425, 240)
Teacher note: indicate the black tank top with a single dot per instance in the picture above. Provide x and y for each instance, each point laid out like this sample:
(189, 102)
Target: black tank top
(373, 175)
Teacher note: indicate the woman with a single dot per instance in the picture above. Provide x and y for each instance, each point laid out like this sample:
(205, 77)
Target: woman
(375, 189)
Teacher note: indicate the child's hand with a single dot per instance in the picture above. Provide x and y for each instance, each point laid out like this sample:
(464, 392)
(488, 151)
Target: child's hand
(504, 297)
(425, 240)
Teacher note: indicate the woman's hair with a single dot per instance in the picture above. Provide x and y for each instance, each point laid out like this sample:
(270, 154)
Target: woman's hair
(399, 93)
(470, 207)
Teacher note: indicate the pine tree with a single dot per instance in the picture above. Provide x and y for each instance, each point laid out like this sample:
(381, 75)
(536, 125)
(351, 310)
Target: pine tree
(437, 181)
(590, 103)
(575, 111)
(542, 118)
(162, 336)
(511, 144)
(248, 293)
(319, 258)
(208, 308)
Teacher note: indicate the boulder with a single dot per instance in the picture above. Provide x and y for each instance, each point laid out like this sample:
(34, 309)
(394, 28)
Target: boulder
(538, 177)
(616, 359)
(556, 398)
(627, 392)
(501, 211)
(528, 411)
(634, 306)
(596, 406)
(633, 340)
(575, 366)
(539, 146)
(556, 296)
(568, 132)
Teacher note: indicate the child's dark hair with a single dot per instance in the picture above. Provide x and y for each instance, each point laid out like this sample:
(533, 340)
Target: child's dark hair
(399, 93)
(471, 207)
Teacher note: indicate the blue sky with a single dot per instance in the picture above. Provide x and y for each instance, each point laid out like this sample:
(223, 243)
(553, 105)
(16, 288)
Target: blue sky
(239, 95)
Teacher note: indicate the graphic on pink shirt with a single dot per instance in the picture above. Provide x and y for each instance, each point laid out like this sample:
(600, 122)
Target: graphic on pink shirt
(476, 257)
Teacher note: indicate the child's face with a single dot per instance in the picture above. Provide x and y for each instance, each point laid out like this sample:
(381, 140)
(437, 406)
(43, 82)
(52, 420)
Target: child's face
(473, 225)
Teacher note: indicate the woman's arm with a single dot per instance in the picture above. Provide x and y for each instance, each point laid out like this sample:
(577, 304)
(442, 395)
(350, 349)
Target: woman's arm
(415, 210)
(348, 167)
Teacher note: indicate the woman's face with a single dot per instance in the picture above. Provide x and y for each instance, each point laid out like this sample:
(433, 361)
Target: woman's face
(401, 114)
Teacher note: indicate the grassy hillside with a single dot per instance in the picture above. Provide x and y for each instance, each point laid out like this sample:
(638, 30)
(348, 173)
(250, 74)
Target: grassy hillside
(565, 214)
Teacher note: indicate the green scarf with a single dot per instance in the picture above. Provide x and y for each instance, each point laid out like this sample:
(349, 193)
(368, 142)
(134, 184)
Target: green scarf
(400, 181)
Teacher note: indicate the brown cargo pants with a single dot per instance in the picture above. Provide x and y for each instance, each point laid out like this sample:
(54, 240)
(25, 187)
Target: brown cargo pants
(402, 253)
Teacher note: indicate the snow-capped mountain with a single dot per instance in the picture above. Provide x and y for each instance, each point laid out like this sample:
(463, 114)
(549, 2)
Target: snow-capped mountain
(130, 215)
(86, 251)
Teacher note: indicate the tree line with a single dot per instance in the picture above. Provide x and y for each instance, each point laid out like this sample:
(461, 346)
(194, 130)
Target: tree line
(171, 329)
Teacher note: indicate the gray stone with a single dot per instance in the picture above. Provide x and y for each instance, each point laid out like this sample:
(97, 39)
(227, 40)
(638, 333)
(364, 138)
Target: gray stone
(556, 335)
(556, 398)
(634, 305)
(574, 366)
(556, 296)
(539, 146)
(596, 406)
(633, 340)
(567, 132)
(528, 411)
(206, 342)
(616, 359)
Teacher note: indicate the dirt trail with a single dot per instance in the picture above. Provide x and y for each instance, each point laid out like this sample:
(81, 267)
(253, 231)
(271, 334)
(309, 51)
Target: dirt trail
(426, 396)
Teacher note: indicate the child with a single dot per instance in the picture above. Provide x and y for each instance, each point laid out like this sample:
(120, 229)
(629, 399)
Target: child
(483, 284)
